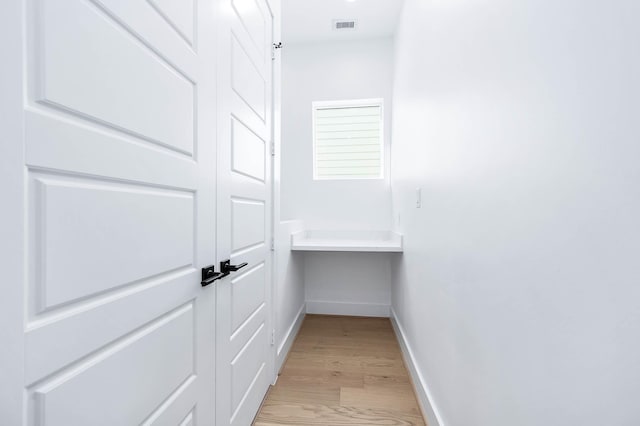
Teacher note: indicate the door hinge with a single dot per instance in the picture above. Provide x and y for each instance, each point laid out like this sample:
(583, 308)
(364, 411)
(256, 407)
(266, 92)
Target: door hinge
(273, 149)
(273, 337)
(273, 50)
(272, 244)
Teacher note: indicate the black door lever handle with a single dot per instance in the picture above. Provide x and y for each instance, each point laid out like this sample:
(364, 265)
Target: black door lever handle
(226, 267)
(236, 267)
(209, 275)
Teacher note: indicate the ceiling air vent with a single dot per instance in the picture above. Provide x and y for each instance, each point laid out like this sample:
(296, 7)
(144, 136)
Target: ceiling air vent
(344, 25)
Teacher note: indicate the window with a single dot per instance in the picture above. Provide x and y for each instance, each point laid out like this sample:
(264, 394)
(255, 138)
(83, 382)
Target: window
(348, 140)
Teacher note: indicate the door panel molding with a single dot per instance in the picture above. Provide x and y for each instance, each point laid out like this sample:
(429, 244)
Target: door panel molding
(88, 67)
(77, 385)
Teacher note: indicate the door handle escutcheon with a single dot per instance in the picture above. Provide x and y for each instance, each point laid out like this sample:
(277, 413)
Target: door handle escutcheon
(209, 275)
(226, 267)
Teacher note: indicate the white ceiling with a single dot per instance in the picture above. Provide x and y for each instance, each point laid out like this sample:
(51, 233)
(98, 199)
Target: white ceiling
(311, 20)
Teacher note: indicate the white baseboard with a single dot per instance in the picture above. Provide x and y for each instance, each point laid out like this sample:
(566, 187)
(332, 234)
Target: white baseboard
(348, 309)
(290, 336)
(425, 400)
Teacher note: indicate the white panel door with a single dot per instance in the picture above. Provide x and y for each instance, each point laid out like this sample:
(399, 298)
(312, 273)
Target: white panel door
(244, 353)
(117, 176)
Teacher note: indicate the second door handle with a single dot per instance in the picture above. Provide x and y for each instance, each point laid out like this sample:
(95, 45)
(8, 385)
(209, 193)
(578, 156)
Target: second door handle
(226, 267)
(209, 275)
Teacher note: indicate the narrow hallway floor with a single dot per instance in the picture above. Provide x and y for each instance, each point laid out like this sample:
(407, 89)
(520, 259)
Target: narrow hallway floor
(342, 371)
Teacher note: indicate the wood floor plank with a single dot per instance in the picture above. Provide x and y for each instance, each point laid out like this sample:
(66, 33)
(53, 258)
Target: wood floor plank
(303, 394)
(396, 398)
(342, 371)
(322, 415)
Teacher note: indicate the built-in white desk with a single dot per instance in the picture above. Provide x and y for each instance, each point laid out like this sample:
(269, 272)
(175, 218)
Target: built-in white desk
(353, 241)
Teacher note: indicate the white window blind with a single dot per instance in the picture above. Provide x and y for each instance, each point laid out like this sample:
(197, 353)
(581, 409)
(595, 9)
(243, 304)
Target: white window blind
(347, 140)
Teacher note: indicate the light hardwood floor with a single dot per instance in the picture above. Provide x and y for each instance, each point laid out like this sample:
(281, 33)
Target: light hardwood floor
(342, 371)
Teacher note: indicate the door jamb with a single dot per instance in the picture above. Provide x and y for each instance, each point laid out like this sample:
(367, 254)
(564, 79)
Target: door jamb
(13, 190)
(274, 7)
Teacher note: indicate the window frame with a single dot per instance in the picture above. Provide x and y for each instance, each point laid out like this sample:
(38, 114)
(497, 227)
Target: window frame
(351, 103)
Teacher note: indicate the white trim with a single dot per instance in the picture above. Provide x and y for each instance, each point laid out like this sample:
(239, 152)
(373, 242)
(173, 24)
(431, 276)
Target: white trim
(345, 103)
(348, 309)
(285, 346)
(13, 191)
(424, 396)
(274, 7)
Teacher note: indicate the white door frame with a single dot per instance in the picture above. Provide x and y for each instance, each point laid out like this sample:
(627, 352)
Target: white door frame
(13, 218)
(276, 84)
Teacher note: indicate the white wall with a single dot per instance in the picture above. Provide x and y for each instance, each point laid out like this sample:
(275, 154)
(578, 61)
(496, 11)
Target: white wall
(348, 283)
(323, 72)
(345, 283)
(519, 287)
